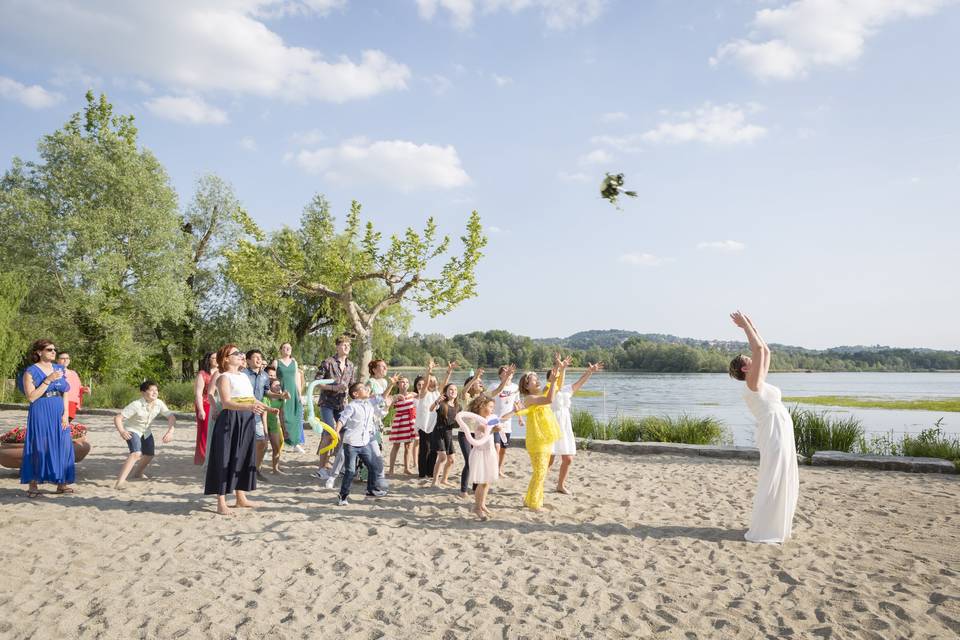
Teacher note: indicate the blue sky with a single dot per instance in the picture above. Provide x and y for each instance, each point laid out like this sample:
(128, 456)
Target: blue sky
(799, 160)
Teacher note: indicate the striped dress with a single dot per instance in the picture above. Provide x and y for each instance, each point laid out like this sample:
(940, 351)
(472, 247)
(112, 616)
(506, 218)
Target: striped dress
(402, 429)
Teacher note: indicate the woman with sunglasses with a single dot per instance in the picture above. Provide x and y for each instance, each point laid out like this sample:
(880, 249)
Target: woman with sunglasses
(48, 454)
(231, 451)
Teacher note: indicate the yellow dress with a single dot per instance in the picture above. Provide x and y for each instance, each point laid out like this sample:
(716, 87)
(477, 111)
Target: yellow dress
(542, 431)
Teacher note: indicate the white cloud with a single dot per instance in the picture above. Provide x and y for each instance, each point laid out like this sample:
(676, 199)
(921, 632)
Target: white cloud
(493, 229)
(438, 83)
(578, 176)
(398, 164)
(196, 46)
(33, 96)
(626, 144)
(725, 246)
(502, 81)
(613, 116)
(712, 124)
(643, 260)
(307, 138)
(595, 157)
(186, 109)
(248, 143)
(556, 14)
(788, 41)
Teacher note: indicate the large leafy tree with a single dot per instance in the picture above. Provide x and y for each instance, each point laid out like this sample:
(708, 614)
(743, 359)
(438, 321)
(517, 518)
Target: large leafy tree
(352, 278)
(213, 220)
(93, 228)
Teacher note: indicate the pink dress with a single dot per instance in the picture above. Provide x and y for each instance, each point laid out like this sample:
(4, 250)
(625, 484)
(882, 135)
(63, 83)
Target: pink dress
(484, 465)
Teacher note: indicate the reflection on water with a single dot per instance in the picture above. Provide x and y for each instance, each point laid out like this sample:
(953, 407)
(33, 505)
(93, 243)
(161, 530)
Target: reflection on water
(712, 394)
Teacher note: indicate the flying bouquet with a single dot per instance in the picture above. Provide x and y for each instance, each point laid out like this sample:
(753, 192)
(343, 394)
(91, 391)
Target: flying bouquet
(612, 188)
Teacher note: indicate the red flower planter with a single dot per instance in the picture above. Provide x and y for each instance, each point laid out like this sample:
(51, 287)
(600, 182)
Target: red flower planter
(11, 453)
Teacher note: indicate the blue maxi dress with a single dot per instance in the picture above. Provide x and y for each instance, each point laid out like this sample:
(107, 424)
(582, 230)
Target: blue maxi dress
(48, 454)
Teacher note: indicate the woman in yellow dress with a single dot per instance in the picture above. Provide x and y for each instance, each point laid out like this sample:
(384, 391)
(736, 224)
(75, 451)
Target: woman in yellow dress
(541, 426)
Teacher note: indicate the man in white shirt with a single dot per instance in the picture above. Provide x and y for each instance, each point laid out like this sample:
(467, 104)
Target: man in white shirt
(133, 425)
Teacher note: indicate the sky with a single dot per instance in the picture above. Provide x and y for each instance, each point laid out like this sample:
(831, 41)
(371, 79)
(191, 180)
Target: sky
(799, 160)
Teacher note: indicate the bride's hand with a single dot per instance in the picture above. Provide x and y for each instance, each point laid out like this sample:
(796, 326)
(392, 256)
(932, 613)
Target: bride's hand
(739, 319)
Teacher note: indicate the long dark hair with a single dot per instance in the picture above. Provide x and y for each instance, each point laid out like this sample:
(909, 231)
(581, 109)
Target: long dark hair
(417, 381)
(205, 361)
(446, 406)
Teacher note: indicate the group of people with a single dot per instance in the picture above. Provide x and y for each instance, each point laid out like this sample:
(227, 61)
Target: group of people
(242, 405)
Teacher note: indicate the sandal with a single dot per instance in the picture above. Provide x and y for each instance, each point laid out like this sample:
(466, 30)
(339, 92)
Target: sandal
(35, 493)
(65, 490)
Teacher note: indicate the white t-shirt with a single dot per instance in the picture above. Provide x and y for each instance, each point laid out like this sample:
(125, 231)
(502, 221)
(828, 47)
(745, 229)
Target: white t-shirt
(426, 419)
(504, 402)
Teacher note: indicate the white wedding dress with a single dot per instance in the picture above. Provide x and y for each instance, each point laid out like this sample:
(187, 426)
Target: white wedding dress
(778, 481)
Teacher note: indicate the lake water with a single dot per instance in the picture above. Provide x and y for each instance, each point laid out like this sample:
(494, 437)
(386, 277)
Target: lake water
(713, 394)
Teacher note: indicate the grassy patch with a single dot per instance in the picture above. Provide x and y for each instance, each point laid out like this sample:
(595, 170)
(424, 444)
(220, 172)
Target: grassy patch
(683, 429)
(929, 443)
(945, 404)
(588, 393)
(817, 431)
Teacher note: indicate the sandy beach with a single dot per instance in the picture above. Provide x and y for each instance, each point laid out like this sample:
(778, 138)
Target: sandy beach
(649, 546)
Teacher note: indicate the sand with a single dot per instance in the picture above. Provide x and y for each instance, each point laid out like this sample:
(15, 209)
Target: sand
(649, 546)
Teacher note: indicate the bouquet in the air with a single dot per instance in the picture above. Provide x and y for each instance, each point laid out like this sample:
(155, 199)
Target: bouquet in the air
(612, 188)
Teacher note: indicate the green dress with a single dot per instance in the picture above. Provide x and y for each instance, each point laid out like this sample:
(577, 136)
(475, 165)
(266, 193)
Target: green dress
(292, 409)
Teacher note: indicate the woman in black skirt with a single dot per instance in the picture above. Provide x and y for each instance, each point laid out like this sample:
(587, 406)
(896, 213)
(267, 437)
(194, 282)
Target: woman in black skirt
(231, 452)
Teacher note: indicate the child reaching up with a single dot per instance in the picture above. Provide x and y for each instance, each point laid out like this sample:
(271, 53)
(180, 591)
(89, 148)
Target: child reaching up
(477, 426)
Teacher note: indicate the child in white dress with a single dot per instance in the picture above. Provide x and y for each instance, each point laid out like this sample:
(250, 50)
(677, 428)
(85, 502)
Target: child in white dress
(478, 426)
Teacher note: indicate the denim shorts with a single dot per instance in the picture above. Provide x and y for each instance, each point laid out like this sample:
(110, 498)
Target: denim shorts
(258, 432)
(139, 444)
(501, 439)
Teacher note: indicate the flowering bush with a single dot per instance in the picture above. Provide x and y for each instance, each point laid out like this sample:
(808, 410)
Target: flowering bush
(14, 436)
(19, 434)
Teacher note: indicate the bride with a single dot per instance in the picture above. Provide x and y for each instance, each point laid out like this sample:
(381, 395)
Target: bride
(778, 482)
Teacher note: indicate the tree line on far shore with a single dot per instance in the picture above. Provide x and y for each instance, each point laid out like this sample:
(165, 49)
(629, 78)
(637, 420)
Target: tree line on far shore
(652, 353)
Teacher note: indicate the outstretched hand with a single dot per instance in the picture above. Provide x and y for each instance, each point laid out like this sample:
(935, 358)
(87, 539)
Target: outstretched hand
(594, 367)
(740, 319)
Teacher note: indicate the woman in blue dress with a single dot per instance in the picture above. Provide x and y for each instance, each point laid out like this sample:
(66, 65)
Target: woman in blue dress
(48, 449)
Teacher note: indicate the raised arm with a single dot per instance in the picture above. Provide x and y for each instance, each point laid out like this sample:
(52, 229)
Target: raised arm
(472, 382)
(505, 378)
(591, 369)
(759, 352)
(426, 378)
(450, 368)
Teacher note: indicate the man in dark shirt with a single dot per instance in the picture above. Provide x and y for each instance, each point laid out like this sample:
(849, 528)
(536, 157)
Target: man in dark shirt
(333, 399)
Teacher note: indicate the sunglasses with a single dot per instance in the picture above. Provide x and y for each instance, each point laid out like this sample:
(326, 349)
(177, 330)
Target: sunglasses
(50, 349)
(235, 353)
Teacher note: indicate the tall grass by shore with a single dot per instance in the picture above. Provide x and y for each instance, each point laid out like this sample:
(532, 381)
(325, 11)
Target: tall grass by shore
(818, 431)
(683, 429)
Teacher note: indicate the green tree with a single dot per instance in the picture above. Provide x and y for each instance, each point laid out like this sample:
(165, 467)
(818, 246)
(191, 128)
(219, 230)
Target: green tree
(93, 227)
(13, 292)
(349, 277)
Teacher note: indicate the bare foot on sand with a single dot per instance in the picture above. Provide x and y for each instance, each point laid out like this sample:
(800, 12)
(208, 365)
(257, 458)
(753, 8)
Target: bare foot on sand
(246, 504)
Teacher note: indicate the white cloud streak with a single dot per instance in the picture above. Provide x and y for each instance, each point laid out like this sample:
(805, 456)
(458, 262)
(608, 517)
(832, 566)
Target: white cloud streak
(398, 164)
(197, 46)
(643, 260)
(788, 41)
(33, 96)
(557, 15)
(724, 246)
(596, 157)
(710, 124)
(186, 110)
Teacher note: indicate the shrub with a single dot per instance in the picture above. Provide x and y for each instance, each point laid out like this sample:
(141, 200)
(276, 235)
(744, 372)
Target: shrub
(933, 443)
(686, 430)
(626, 429)
(816, 431)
